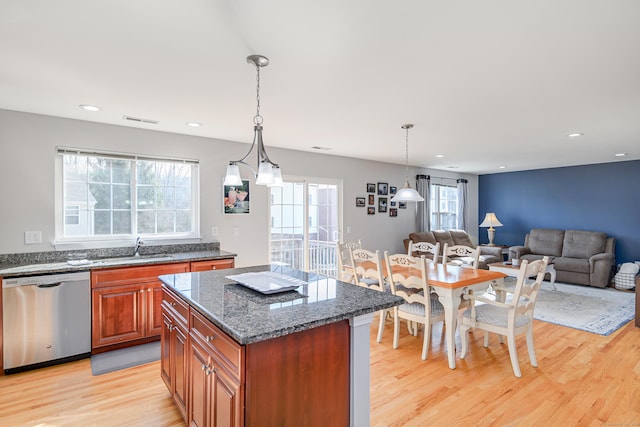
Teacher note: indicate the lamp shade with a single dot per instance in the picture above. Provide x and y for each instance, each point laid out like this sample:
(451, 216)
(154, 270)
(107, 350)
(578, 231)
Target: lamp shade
(265, 174)
(407, 194)
(233, 175)
(491, 220)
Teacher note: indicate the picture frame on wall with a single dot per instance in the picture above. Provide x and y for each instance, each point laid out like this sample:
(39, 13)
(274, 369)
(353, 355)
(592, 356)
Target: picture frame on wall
(372, 200)
(371, 210)
(371, 188)
(382, 204)
(360, 202)
(402, 205)
(393, 212)
(392, 204)
(383, 188)
(393, 190)
(236, 199)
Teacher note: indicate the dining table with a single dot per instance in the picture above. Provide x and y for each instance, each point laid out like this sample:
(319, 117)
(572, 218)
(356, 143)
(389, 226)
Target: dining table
(450, 282)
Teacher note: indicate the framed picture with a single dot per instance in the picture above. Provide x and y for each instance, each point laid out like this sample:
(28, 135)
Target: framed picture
(236, 198)
(371, 188)
(392, 204)
(371, 210)
(360, 202)
(382, 204)
(372, 200)
(393, 190)
(383, 188)
(393, 212)
(402, 205)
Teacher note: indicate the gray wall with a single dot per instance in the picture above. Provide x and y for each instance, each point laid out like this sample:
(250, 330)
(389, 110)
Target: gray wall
(29, 144)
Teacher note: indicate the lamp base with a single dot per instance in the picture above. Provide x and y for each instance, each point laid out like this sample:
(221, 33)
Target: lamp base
(492, 233)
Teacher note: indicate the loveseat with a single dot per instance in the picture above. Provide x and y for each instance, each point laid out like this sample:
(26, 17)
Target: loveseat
(579, 257)
(488, 254)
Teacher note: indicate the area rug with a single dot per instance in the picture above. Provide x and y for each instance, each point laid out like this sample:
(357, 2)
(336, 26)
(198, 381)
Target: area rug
(595, 310)
(125, 358)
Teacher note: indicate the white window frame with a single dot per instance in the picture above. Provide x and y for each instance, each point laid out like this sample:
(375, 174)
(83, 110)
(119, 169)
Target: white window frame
(115, 240)
(434, 192)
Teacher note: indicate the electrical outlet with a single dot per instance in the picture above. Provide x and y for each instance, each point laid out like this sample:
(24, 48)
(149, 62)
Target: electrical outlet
(32, 237)
(348, 229)
(214, 231)
(236, 231)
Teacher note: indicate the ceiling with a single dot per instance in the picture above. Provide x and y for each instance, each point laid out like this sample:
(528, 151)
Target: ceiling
(486, 83)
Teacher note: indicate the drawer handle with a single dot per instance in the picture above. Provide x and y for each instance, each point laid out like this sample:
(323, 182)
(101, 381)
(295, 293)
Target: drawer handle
(210, 338)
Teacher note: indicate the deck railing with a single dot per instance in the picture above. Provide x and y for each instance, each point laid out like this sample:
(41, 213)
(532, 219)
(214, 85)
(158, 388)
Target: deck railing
(322, 255)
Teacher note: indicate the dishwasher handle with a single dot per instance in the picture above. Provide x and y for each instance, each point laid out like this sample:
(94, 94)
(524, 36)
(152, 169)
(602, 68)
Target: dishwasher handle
(49, 285)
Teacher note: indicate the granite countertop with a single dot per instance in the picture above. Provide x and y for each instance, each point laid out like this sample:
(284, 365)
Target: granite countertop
(46, 263)
(249, 316)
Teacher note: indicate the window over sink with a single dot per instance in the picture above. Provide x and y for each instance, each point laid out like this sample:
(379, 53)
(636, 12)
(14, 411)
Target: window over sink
(107, 196)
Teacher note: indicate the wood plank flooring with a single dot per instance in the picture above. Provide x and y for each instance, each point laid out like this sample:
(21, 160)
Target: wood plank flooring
(582, 380)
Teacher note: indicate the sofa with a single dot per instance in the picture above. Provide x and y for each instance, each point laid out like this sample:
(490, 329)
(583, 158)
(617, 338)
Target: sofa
(579, 257)
(488, 254)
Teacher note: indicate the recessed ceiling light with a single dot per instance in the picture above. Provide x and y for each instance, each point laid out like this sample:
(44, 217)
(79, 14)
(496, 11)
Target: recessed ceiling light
(439, 156)
(575, 135)
(502, 167)
(89, 107)
(317, 147)
(453, 167)
(621, 154)
(194, 124)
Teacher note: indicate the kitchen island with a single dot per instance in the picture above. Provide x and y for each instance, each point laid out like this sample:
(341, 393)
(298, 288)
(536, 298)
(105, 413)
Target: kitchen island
(235, 356)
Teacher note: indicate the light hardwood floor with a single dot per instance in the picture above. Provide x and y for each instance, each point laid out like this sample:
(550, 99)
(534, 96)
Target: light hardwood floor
(582, 380)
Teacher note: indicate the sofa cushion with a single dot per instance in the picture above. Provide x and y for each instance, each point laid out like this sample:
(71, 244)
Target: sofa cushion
(546, 241)
(460, 237)
(444, 237)
(423, 236)
(583, 244)
(572, 264)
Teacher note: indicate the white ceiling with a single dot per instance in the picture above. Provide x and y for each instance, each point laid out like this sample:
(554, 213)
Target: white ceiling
(486, 83)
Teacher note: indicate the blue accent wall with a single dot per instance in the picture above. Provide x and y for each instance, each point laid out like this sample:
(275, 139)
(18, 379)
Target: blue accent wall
(603, 197)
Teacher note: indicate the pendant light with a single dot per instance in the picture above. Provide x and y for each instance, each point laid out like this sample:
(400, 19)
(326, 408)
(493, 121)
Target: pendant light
(407, 194)
(268, 173)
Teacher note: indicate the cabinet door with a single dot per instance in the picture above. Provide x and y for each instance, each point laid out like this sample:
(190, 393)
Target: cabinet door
(117, 315)
(166, 361)
(226, 400)
(179, 357)
(213, 264)
(199, 385)
(154, 313)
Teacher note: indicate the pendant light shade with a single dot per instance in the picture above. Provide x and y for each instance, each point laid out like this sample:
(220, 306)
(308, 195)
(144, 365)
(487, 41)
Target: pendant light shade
(407, 194)
(268, 173)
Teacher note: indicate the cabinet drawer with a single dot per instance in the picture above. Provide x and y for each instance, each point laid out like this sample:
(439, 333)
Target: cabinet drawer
(227, 349)
(147, 273)
(212, 264)
(175, 305)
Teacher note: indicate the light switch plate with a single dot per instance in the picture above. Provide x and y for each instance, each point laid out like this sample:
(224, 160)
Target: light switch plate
(32, 237)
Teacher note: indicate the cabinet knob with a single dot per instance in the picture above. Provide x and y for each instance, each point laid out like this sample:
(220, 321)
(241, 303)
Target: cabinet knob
(210, 338)
(172, 304)
(149, 290)
(213, 267)
(141, 290)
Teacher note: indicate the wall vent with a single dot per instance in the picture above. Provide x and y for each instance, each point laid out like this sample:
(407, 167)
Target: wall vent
(139, 120)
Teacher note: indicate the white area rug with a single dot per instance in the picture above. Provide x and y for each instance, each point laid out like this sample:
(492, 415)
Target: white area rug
(600, 311)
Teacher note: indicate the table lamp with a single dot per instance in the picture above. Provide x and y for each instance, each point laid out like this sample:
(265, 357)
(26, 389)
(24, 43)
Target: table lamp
(491, 220)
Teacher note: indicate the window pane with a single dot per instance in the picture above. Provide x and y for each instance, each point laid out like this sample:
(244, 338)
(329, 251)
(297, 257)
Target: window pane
(122, 222)
(146, 222)
(145, 172)
(166, 198)
(183, 221)
(146, 197)
(121, 171)
(183, 198)
(121, 197)
(166, 221)
(102, 222)
(101, 193)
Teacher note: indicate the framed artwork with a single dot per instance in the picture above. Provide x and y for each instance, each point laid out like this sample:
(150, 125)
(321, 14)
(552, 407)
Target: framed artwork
(372, 200)
(383, 188)
(393, 190)
(236, 198)
(371, 210)
(371, 188)
(393, 212)
(392, 203)
(360, 202)
(382, 204)
(402, 205)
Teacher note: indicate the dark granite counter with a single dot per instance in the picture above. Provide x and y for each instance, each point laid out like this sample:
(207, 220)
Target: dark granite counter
(248, 316)
(29, 264)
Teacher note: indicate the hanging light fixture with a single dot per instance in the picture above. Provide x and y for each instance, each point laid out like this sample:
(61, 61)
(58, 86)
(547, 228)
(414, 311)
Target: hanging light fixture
(407, 194)
(268, 173)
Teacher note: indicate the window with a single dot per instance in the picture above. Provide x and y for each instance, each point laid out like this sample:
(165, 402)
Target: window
(443, 203)
(114, 196)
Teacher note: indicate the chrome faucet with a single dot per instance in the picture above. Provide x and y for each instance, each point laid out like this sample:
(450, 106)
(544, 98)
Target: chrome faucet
(136, 248)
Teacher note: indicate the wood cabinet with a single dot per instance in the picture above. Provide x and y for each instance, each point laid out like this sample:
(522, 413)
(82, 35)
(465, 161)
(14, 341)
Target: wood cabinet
(174, 349)
(215, 396)
(126, 304)
(212, 264)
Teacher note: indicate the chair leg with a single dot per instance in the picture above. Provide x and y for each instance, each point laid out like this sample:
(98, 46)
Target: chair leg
(464, 339)
(531, 348)
(426, 340)
(511, 341)
(486, 339)
(396, 328)
(383, 315)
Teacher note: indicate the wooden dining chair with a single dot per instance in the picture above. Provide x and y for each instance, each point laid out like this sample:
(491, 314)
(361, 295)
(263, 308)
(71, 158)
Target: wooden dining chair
(367, 270)
(511, 318)
(407, 277)
(429, 250)
(345, 272)
(463, 256)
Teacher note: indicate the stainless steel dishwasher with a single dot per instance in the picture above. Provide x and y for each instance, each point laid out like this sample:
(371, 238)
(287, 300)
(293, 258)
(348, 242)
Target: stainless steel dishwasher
(46, 320)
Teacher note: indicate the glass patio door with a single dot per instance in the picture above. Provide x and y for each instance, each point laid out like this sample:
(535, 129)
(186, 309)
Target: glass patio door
(305, 225)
